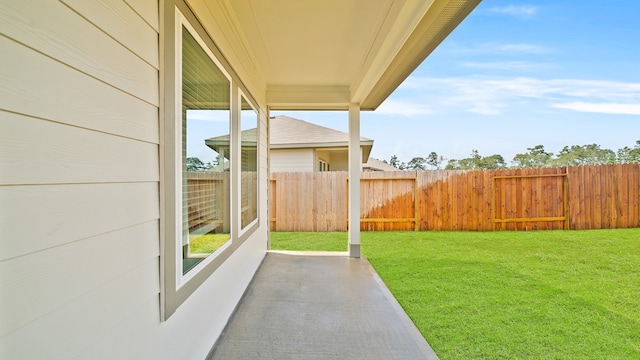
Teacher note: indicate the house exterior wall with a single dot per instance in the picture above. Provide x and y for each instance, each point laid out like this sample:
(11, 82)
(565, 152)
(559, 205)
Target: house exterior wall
(286, 160)
(79, 188)
(340, 161)
(291, 160)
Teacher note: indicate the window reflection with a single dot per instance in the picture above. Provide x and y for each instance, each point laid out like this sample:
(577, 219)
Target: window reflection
(205, 167)
(249, 163)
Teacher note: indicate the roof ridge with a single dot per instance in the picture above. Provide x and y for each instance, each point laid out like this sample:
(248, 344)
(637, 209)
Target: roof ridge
(324, 128)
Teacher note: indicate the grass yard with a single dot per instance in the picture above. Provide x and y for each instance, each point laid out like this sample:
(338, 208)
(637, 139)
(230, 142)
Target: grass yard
(208, 243)
(508, 295)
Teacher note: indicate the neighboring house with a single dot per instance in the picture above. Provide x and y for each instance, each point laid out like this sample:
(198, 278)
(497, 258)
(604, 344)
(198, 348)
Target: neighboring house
(374, 164)
(298, 145)
(99, 220)
(249, 146)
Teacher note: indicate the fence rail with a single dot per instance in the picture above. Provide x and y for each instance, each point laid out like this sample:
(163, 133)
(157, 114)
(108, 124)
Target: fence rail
(581, 197)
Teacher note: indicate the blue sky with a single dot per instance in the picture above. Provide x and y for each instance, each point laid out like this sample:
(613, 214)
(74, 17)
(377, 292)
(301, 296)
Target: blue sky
(514, 75)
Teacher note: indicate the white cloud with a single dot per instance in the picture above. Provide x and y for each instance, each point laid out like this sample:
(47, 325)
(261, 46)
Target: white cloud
(494, 96)
(604, 108)
(403, 108)
(498, 48)
(485, 108)
(505, 65)
(519, 48)
(513, 10)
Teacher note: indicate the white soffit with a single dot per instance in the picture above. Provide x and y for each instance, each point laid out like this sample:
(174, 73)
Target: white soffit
(325, 54)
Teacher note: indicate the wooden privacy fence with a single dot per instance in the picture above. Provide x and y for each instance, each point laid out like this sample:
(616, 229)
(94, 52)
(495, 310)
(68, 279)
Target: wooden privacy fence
(207, 200)
(581, 197)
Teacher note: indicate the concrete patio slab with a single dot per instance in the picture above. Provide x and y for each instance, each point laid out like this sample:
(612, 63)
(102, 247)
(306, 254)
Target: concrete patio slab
(303, 305)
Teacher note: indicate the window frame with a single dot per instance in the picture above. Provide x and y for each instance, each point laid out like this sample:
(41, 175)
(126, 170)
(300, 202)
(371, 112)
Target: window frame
(251, 226)
(323, 165)
(176, 287)
(182, 278)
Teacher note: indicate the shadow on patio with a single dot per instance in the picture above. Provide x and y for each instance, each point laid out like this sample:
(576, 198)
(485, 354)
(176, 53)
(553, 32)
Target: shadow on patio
(319, 305)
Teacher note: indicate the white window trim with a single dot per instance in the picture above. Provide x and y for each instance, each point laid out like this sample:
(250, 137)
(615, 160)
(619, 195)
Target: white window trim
(252, 224)
(180, 22)
(175, 287)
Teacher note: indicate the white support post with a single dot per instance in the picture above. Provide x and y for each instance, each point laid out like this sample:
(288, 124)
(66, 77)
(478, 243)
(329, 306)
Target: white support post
(355, 165)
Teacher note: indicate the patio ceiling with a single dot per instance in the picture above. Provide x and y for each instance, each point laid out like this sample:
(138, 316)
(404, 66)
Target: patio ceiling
(325, 54)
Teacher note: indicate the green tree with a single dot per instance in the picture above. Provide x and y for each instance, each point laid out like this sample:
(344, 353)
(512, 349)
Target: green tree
(195, 164)
(434, 160)
(628, 155)
(477, 162)
(396, 163)
(417, 163)
(393, 161)
(590, 154)
(535, 157)
(493, 162)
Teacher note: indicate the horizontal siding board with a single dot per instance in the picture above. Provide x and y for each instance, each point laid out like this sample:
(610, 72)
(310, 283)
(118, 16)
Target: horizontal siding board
(148, 10)
(292, 160)
(191, 331)
(33, 151)
(132, 334)
(121, 22)
(35, 85)
(44, 216)
(52, 29)
(64, 332)
(46, 280)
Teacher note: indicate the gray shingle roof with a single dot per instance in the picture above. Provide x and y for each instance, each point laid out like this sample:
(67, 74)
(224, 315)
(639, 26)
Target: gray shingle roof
(289, 132)
(377, 165)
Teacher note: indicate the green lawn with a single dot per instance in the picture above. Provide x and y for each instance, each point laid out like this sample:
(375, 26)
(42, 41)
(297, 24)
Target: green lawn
(208, 243)
(508, 295)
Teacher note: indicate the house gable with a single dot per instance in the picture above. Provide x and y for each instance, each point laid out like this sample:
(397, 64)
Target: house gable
(329, 145)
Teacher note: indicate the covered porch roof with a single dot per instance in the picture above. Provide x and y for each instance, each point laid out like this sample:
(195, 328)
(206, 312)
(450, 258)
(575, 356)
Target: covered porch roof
(327, 54)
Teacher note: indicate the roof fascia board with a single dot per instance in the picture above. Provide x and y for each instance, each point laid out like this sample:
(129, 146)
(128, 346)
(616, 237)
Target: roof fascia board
(441, 19)
(402, 19)
(327, 145)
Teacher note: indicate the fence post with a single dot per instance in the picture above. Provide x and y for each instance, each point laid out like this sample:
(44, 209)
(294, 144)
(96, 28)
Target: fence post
(416, 209)
(567, 210)
(272, 203)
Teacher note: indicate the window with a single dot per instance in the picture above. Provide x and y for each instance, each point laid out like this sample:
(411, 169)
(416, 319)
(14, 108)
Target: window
(248, 163)
(206, 116)
(323, 166)
(209, 183)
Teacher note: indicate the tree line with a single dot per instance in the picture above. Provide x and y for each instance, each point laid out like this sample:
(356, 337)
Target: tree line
(195, 164)
(534, 157)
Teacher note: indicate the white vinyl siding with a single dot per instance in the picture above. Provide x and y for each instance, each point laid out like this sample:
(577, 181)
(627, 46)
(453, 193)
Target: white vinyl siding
(79, 190)
(54, 29)
(79, 134)
(292, 160)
